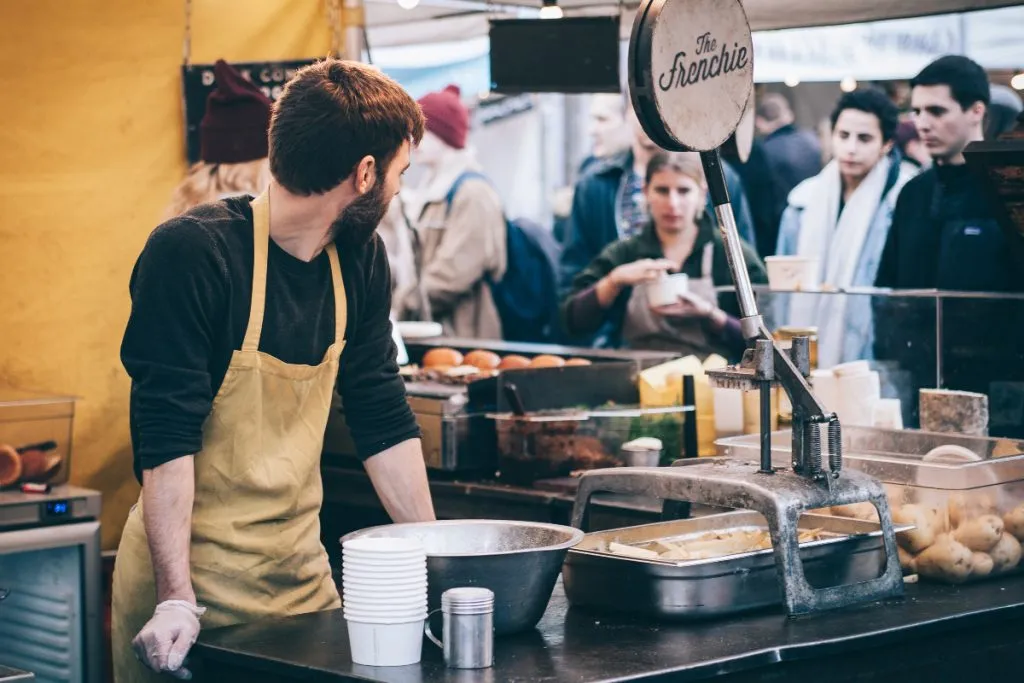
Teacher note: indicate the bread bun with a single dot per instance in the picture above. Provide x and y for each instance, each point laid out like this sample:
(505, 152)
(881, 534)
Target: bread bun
(10, 465)
(440, 357)
(514, 362)
(578, 361)
(546, 361)
(485, 360)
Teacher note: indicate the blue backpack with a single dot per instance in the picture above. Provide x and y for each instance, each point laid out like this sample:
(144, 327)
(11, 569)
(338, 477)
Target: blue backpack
(527, 295)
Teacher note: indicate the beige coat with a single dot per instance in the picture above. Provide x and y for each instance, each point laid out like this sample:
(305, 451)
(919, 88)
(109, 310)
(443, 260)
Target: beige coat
(461, 245)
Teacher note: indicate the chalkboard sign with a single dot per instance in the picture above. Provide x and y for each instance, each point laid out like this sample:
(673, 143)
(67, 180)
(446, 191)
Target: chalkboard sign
(198, 81)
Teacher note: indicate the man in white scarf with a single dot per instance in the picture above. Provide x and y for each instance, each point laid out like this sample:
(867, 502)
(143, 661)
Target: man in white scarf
(842, 217)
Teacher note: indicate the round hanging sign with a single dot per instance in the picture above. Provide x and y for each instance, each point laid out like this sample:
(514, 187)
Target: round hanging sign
(691, 71)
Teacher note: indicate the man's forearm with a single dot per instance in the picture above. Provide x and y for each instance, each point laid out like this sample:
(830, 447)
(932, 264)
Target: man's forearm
(399, 476)
(167, 495)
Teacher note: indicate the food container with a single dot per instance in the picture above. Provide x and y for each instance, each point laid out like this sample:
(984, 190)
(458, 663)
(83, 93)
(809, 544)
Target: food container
(834, 551)
(553, 444)
(963, 494)
(38, 428)
(793, 272)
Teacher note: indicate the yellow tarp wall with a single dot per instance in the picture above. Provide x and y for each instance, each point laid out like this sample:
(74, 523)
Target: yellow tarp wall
(92, 143)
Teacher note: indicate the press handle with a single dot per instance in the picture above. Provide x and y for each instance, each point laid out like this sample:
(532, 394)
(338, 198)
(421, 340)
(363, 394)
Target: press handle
(656, 482)
(430, 634)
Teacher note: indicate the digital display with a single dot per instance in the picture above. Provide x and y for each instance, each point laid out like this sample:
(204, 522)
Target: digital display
(57, 508)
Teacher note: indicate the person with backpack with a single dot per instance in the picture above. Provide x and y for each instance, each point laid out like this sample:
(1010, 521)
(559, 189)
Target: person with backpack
(679, 237)
(462, 234)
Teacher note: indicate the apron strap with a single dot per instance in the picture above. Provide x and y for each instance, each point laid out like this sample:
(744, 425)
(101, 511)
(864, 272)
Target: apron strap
(340, 298)
(260, 244)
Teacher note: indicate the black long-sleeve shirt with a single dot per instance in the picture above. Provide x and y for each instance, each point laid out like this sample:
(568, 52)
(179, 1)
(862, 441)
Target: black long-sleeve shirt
(191, 291)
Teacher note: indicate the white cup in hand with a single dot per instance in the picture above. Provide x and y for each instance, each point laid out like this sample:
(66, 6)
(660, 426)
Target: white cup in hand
(667, 289)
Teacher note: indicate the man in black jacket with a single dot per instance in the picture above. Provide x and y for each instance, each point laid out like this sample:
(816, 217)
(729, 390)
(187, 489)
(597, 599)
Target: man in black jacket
(944, 234)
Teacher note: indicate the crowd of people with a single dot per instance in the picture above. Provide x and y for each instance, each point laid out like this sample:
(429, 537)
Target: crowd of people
(889, 203)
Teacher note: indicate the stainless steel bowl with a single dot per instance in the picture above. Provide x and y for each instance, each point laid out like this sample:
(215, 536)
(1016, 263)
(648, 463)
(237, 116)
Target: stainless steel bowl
(518, 561)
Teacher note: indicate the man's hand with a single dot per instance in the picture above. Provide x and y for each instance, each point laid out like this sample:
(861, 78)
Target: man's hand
(165, 640)
(399, 476)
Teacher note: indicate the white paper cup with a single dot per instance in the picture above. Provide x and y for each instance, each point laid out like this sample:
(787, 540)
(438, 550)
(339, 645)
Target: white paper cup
(792, 272)
(667, 289)
(390, 578)
(382, 554)
(385, 592)
(382, 574)
(392, 589)
(382, 545)
(888, 414)
(375, 643)
(858, 395)
(380, 615)
(826, 387)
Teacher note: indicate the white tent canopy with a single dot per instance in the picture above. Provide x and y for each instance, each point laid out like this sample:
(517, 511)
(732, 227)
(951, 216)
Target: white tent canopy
(447, 20)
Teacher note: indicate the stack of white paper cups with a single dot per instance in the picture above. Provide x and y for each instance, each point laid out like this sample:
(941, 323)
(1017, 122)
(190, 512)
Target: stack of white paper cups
(385, 599)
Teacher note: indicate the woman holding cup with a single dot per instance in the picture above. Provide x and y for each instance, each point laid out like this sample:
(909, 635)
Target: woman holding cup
(656, 290)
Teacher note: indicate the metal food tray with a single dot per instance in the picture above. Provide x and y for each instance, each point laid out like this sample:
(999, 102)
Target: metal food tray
(852, 552)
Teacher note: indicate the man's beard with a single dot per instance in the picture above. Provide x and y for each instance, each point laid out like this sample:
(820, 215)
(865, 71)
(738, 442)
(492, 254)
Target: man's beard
(355, 226)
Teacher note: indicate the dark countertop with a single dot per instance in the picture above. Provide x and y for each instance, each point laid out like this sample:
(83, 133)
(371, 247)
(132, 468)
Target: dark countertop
(936, 633)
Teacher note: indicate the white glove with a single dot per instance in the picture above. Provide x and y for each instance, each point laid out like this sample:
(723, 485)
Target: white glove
(167, 637)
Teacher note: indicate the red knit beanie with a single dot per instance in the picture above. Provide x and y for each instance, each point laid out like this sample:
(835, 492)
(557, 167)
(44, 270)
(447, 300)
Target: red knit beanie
(234, 126)
(447, 117)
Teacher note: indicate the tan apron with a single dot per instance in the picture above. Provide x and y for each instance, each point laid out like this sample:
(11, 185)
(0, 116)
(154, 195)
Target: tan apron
(256, 547)
(644, 329)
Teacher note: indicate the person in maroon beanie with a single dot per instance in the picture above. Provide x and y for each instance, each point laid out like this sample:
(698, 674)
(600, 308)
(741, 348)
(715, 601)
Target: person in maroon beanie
(460, 223)
(233, 144)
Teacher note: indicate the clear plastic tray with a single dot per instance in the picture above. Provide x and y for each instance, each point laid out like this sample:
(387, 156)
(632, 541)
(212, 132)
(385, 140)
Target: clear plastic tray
(964, 495)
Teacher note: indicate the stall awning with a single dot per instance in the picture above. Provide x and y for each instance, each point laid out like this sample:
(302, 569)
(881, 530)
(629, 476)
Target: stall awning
(446, 20)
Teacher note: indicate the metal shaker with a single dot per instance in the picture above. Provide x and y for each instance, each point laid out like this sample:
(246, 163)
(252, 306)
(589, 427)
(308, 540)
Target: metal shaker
(468, 637)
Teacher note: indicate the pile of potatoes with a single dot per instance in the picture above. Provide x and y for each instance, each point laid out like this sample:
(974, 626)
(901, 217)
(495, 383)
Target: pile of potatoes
(955, 545)
(960, 542)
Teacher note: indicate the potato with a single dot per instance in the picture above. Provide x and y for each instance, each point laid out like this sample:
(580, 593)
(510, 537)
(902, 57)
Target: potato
(907, 561)
(947, 560)
(1013, 522)
(865, 511)
(983, 564)
(980, 534)
(1005, 554)
(920, 537)
(940, 520)
(956, 507)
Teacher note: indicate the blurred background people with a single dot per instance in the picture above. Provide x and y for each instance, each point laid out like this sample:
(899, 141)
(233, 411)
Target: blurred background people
(609, 136)
(233, 144)
(1003, 109)
(460, 226)
(910, 146)
(678, 236)
(841, 217)
(610, 204)
(944, 232)
(784, 156)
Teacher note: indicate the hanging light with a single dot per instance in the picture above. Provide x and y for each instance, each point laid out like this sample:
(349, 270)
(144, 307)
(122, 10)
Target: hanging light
(408, 4)
(550, 10)
(792, 80)
(1017, 82)
(848, 84)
